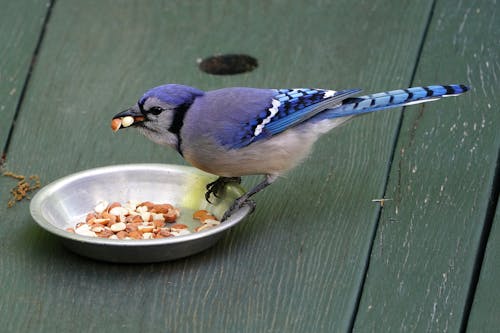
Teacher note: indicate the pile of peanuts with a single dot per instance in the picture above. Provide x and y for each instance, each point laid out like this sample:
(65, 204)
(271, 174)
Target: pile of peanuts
(134, 220)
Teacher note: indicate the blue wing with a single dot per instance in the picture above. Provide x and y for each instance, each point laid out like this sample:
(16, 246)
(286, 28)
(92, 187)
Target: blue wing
(247, 115)
(288, 108)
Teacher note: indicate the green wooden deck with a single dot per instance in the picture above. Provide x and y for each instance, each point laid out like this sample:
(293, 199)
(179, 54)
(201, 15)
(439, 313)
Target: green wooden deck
(322, 259)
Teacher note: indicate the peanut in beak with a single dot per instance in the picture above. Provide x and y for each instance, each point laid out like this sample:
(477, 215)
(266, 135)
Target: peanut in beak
(116, 124)
(124, 122)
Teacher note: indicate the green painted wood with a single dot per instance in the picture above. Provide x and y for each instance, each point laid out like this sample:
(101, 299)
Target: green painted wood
(423, 255)
(20, 24)
(484, 314)
(297, 264)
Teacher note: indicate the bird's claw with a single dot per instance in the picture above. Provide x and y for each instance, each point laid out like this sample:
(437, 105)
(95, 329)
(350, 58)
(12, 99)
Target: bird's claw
(217, 186)
(237, 204)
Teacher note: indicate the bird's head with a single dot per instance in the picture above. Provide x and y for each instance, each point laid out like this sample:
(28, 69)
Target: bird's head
(159, 113)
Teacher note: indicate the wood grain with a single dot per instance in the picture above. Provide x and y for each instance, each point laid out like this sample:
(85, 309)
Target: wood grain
(20, 25)
(297, 264)
(424, 253)
(484, 314)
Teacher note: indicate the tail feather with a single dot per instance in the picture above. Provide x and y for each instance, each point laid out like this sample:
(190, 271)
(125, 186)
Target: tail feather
(395, 98)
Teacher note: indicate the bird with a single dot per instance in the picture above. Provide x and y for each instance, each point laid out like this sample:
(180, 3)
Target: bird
(240, 131)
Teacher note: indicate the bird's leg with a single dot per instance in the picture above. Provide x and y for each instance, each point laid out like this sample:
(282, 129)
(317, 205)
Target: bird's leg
(216, 187)
(245, 199)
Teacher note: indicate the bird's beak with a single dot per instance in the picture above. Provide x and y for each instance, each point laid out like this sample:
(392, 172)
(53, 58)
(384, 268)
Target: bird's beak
(127, 118)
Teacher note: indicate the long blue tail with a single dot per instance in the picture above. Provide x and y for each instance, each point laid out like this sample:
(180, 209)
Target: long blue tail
(391, 99)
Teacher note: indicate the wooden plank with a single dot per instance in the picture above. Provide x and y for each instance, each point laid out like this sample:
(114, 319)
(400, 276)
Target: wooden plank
(423, 256)
(20, 24)
(484, 314)
(296, 265)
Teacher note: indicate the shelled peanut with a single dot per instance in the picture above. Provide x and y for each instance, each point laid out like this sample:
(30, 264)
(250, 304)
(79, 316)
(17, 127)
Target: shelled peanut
(207, 220)
(134, 220)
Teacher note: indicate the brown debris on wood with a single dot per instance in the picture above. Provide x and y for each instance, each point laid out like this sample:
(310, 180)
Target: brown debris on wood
(23, 187)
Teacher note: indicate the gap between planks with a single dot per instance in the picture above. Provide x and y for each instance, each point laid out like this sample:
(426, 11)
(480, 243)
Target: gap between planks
(3, 158)
(366, 267)
(483, 243)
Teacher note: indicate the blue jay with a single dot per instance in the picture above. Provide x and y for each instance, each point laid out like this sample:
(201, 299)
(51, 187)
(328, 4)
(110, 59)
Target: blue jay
(233, 132)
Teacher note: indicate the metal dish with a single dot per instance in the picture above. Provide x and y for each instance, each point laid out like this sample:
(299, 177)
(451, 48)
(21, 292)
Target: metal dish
(66, 201)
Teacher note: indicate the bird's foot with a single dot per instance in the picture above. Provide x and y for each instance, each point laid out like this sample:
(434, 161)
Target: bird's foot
(217, 187)
(237, 204)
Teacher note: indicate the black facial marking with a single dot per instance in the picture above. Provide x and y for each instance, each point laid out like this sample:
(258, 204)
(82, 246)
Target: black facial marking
(178, 122)
(140, 104)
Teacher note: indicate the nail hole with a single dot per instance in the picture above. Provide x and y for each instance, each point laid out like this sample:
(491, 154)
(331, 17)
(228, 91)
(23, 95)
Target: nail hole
(228, 64)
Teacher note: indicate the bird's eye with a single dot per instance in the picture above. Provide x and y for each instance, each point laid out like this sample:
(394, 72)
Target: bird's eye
(155, 110)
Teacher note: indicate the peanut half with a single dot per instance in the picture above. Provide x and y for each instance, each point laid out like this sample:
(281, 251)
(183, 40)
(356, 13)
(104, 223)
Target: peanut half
(127, 121)
(116, 124)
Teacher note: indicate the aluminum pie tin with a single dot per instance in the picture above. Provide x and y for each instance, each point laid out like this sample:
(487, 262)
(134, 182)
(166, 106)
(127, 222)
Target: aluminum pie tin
(66, 201)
